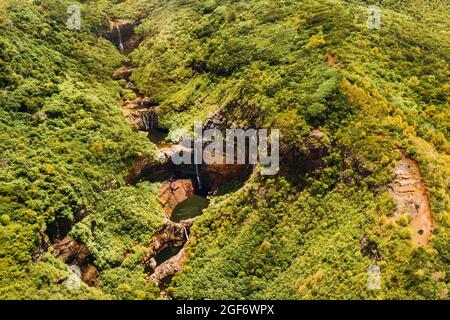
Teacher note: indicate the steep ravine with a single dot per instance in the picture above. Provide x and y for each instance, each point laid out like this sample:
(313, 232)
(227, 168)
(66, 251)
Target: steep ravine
(179, 188)
(180, 196)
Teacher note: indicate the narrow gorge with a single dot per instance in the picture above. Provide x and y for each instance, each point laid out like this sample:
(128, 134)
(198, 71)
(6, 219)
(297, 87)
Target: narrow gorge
(184, 188)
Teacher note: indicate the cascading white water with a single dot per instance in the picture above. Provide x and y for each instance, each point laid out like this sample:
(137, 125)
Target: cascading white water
(145, 120)
(186, 233)
(120, 38)
(149, 120)
(199, 181)
(152, 120)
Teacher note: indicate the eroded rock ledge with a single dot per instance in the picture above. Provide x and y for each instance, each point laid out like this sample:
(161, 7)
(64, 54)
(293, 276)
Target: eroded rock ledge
(74, 253)
(169, 267)
(172, 234)
(175, 192)
(121, 33)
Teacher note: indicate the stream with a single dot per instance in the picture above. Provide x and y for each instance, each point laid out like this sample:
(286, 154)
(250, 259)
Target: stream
(144, 118)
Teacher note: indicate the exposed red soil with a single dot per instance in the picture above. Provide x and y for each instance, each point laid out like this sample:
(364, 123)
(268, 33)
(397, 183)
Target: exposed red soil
(410, 192)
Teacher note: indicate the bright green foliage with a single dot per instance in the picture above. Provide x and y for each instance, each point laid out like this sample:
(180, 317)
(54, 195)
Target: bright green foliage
(297, 65)
(63, 141)
(292, 65)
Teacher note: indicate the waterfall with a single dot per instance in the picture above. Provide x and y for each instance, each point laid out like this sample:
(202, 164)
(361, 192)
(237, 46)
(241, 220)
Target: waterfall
(198, 177)
(145, 120)
(149, 119)
(153, 120)
(186, 233)
(120, 38)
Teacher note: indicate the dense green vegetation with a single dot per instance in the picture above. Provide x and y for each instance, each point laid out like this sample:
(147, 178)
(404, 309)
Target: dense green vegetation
(296, 66)
(64, 143)
(292, 65)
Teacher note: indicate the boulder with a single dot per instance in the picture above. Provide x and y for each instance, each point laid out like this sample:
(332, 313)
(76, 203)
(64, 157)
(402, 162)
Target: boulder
(123, 72)
(169, 267)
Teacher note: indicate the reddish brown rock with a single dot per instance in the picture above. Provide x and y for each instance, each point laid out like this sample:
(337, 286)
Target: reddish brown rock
(90, 275)
(74, 253)
(410, 192)
(70, 251)
(172, 234)
(141, 119)
(139, 115)
(172, 193)
(123, 72)
(120, 31)
(131, 43)
(150, 169)
(219, 173)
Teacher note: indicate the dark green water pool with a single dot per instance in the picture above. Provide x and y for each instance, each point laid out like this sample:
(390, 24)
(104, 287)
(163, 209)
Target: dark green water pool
(166, 254)
(158, 137)
(189, 208)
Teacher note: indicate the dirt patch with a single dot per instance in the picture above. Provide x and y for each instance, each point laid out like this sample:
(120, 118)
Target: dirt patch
(410, 192)
(331, 59)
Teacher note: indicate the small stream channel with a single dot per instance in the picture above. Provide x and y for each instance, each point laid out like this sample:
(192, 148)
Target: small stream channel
(194, 205)
(187, 209)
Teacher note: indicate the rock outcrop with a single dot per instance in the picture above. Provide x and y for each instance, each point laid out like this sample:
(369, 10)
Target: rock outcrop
(309, 156)
(172, 193)
(172, 234)
(142, 119)
(147, 167)
(74, 253)
(139, 114)
(169, 267)
(219, 173)
(123, 72)
(164, 154)
(410, 192)
(121, 33)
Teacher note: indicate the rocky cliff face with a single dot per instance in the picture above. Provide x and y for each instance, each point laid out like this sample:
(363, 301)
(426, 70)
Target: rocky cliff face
(121, 33)
(169, 267)
(410, 192)
(175, 192)
(171, 234)
(140, 117)
(219, 174)
(146, 167)
(310, 156)
(139, 114)
(74, 253)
